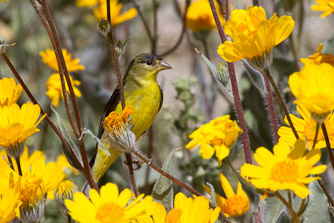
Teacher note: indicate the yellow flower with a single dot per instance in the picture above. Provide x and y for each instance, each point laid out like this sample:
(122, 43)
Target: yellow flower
(218, 136)
(9, 91)
(192, 210)
(49, 58)
(17, 124)
(54, 90)
(306, 128)
(109, 206)
(313, 88)
(286, 169)
(63, 164)
(233, 204)
(326, 6)
(254, 36)
(115, 121)
(200, 18)
(319, 58)
(100, 12)
(65, 190)
(8, 204)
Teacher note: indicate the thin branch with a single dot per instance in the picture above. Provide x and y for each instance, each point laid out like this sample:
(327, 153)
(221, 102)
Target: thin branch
(132, 176)
(329, 197)
(53, 126)
(173, 179)
(155, 26)
(179, 40)
(328, 145)
(235, 91)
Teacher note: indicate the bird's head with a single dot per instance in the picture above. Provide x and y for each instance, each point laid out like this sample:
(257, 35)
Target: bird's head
(147, 64)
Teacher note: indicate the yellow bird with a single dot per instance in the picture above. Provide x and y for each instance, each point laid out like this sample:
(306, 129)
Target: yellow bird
(143, 93)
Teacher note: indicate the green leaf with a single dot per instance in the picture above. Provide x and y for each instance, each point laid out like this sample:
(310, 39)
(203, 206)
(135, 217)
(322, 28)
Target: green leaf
(120, 46)
(213, 194)
(68, 138)
(163, 189)
(317, 210)
(272, 209)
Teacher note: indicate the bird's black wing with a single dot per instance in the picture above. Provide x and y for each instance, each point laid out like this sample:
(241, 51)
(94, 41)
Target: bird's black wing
(162, 98)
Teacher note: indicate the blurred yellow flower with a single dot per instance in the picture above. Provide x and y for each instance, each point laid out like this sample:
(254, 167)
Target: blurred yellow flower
(9, 91)
(54, 90)
(218, 136)
(286, 169)
(326, 6)
(63, 164)
(313, 88)
(234, 204)
(8, 204)
(108, 206)
(100, 12)
(254, 36)
(49, 58)
(319, 58)
(306, 128)
(86, 3)
(17, 124)
(200, 18)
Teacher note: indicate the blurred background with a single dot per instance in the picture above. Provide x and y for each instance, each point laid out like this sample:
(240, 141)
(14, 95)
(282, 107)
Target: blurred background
(192, 96)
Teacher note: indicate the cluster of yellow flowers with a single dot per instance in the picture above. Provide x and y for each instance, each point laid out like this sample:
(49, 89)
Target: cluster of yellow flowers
(53, 85)
(25, 180)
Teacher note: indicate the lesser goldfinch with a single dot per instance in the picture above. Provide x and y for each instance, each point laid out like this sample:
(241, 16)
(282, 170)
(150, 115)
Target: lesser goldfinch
(143, 93)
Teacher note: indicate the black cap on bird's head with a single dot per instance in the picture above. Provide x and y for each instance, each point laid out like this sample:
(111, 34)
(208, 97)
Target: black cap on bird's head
(151, 62)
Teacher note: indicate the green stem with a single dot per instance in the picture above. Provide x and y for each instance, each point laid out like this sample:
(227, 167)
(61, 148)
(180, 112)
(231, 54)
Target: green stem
(288, 206)
(18, 163)
(316, 135)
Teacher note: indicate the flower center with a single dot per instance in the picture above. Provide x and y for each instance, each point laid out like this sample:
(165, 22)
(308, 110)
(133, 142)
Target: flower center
(217, 141)
(286, 171)
(235, 206)
(32, 189)
(110, 212)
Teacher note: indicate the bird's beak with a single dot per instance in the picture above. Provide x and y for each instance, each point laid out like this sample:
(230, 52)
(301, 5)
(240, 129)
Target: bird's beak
(164, 66)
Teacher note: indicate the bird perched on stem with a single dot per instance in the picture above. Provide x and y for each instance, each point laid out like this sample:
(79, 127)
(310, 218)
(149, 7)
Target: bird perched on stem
(143, 94)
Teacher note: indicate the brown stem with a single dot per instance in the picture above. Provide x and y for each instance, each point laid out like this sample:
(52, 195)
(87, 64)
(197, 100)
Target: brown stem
(147, 28)
(235, 92)
(279, 96)
(179, 40)
(271, 108)
(53, 126)
(328, 145)
(77, 128)
(329, 197)
(170, 177)
(132, 175)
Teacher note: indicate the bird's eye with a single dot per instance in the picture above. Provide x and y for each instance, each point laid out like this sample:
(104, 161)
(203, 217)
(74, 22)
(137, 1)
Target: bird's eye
(149, 62)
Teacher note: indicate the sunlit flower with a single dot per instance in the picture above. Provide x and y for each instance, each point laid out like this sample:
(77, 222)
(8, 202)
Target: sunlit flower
(8, 204)
(286, 169)
(63, 164)
(218, 136)
(17, 124)
(65, 190)
(233, 204)
(54, 90)
(49, 58)
(306, 128)
(110, 206)
(100, 12)
(313, 88)
(326, 6)
(200, 18)
(192, 210)
(9, 91)
(319, 58)
(254, 36)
